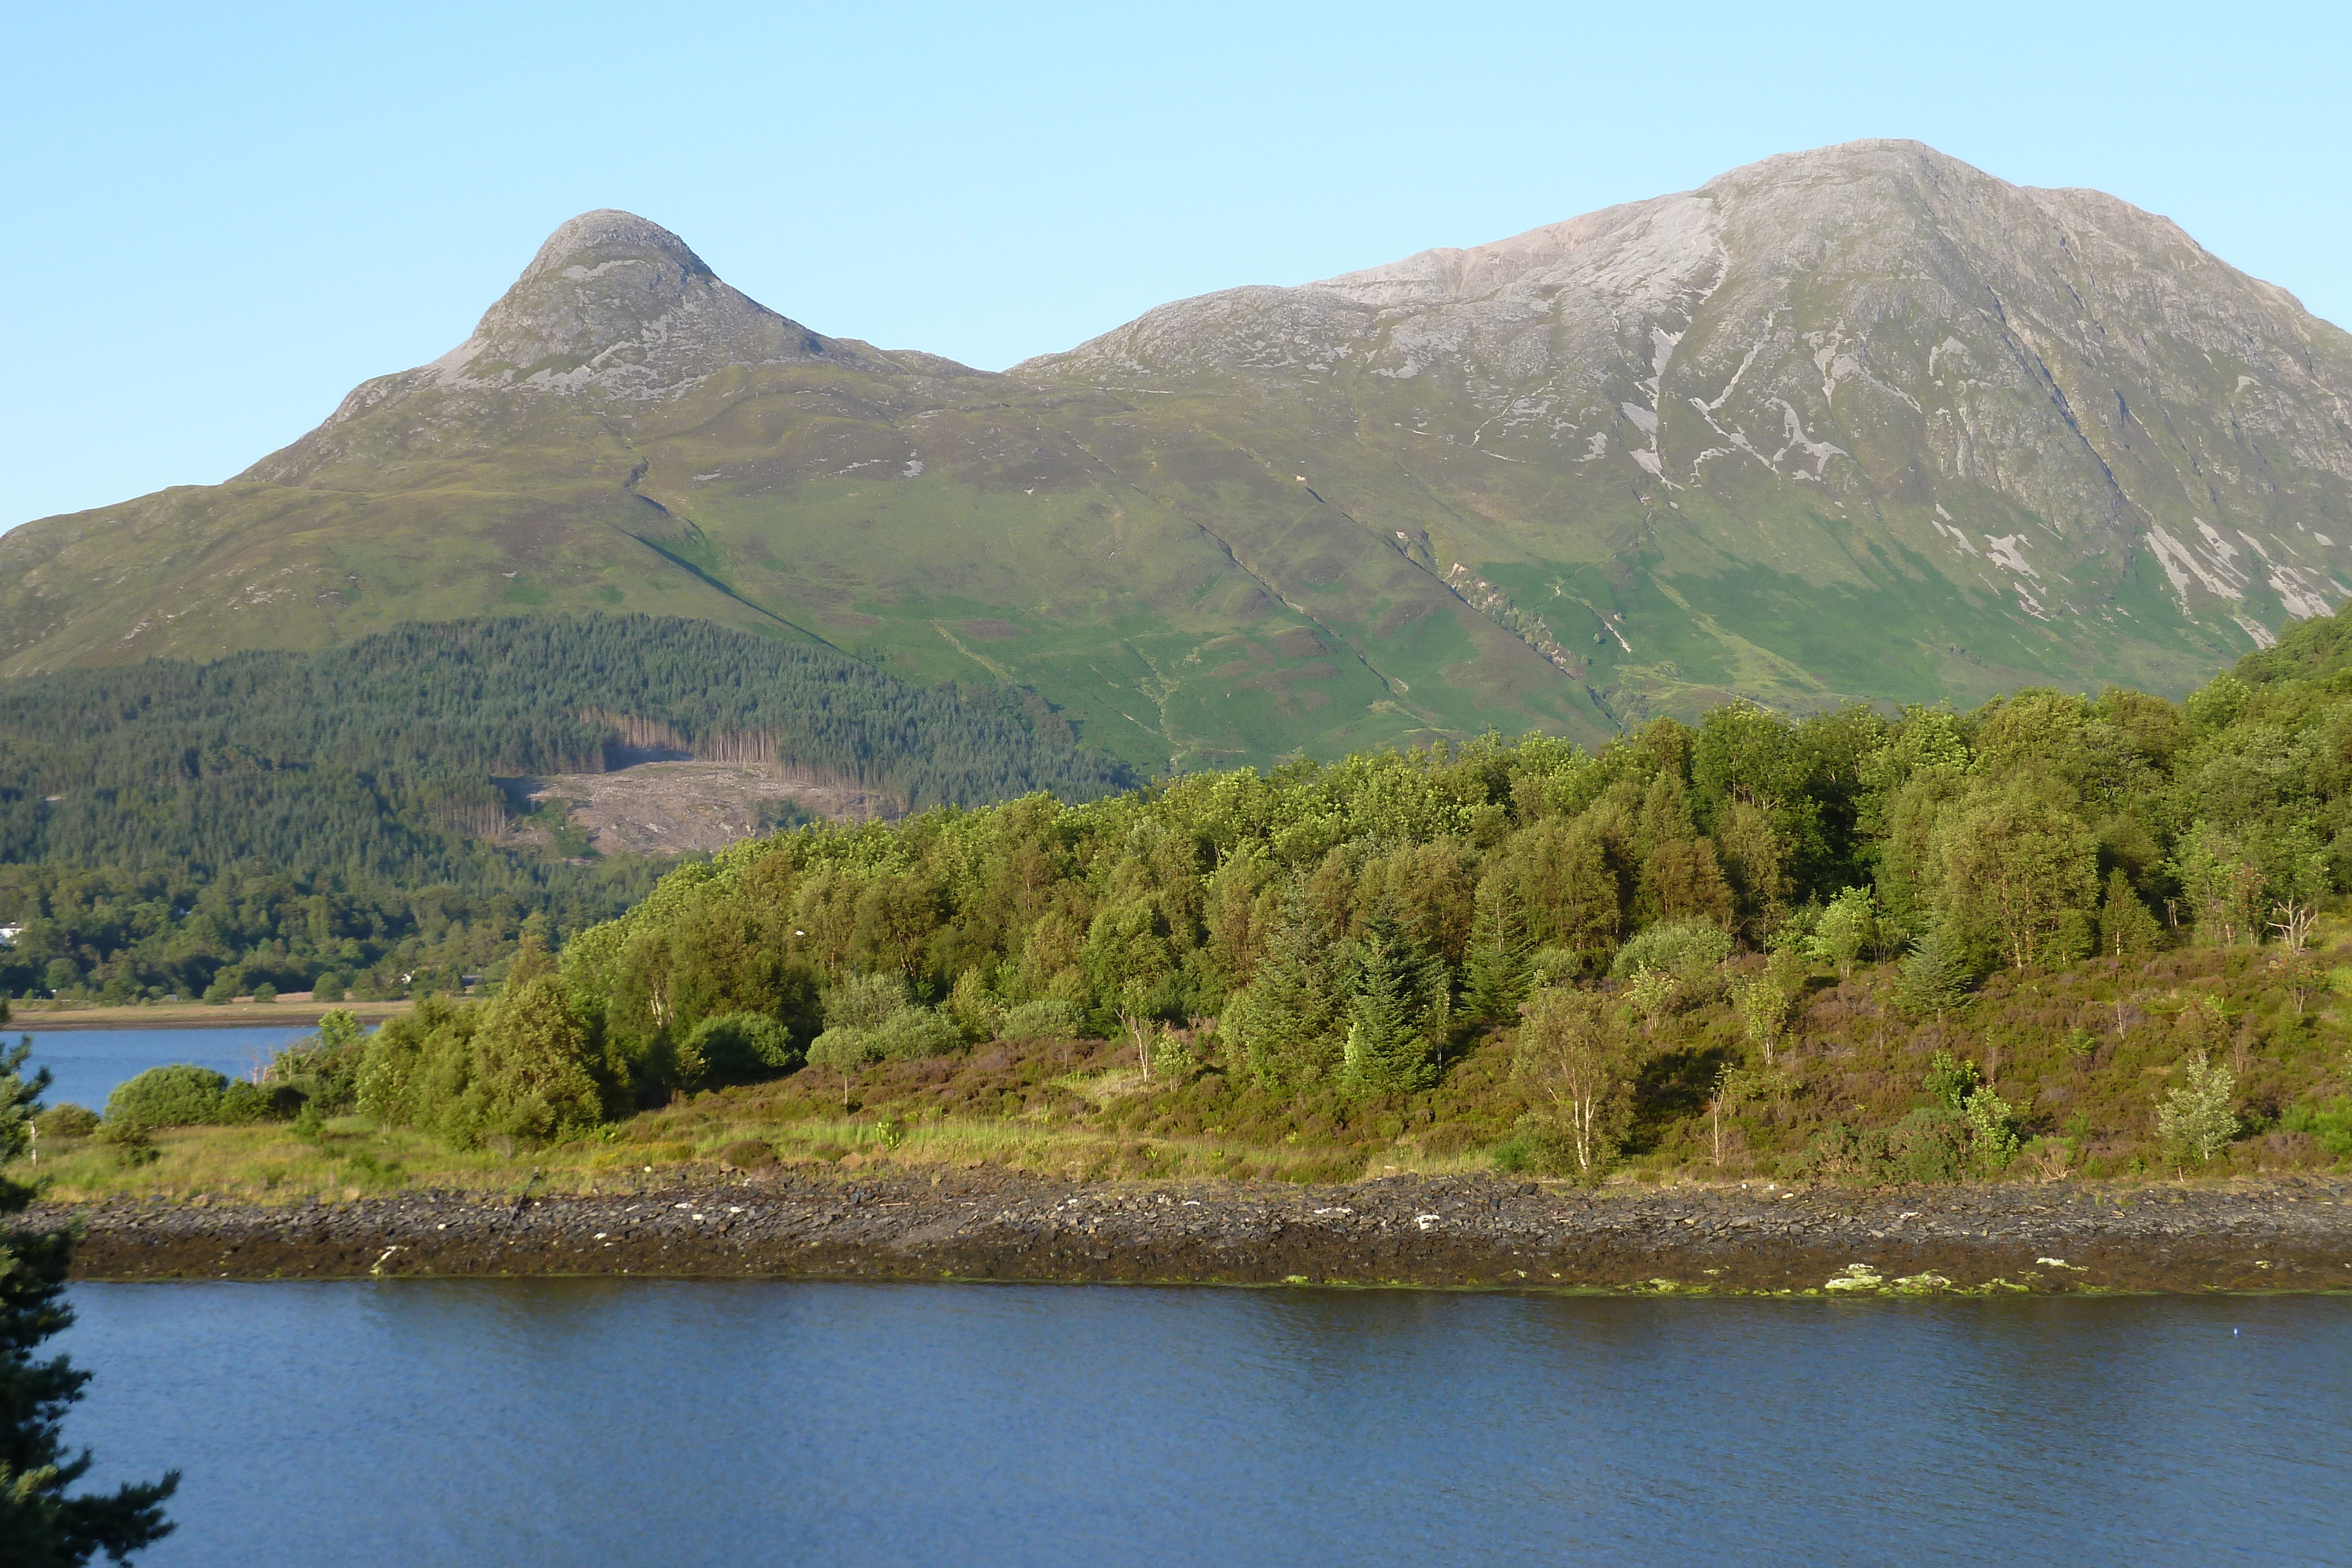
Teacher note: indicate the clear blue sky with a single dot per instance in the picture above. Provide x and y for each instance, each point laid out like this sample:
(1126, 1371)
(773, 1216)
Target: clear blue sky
(227, 216)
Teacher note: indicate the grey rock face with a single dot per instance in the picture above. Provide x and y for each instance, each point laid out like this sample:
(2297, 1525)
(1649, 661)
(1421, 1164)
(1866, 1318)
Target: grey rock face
(2053, 383)
(613, 306)
(621, 305)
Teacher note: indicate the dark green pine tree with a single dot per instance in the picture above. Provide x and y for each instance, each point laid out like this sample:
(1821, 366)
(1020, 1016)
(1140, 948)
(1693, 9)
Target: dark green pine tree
(40, 1525)
(1495, 970)
(2126, 927)
(1937, 976)
(1289, 1020)
(1397, 1011)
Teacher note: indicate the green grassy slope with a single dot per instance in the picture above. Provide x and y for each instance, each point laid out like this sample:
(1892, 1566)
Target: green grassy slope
(1862, 424)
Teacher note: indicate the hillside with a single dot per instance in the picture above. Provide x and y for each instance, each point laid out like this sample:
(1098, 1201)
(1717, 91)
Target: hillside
(368, 810)
(2051, 937)
(1859, 422)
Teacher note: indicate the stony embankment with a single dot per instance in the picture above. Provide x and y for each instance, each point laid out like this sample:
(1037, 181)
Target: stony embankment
(989, 1224)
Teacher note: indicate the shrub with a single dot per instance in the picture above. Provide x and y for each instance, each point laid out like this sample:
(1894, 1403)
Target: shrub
(1043, 1019)
(2327, 1120)
(748, 1153)
(67, 1121)
(243, 1103)
(737, 1047)
(130, 1142)
(1845, 929)
(974, 1009)
(844, 1050)
(863, 1001)
(323, 1067)
(1992, 1126)
(2196, 1120)
(1951, 1082)
(179, 1095)
(1548, 966)
(265, 992)
(1541, 1144)
(519, 1068)
(1681, 947)
(1931, 1145)
(1937, 974)
(915, 1034)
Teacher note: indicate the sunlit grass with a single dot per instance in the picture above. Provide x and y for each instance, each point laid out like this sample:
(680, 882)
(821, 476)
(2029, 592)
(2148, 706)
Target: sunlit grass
(354, 1158)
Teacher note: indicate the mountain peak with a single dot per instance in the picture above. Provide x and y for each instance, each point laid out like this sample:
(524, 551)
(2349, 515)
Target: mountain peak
(611, 237)
(616, 304)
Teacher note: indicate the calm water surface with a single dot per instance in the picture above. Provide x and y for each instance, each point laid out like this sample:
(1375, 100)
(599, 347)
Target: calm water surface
(634, 1422)
(87, 1063)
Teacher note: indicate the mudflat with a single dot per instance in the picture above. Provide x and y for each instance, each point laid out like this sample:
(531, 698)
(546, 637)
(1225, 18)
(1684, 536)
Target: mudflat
(987, 1223)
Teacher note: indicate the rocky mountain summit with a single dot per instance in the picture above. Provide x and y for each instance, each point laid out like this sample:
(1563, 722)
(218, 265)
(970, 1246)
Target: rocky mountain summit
(1862, 422)
(1951, 359)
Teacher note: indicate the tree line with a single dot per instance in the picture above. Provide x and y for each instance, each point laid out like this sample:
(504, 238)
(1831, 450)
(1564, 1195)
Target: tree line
(277, 818)
(1355, 926)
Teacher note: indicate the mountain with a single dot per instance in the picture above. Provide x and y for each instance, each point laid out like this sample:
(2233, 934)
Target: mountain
(1858, 422)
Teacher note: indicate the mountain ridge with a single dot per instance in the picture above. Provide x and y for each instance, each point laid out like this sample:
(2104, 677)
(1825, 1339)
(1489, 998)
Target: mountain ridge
(1856, 423)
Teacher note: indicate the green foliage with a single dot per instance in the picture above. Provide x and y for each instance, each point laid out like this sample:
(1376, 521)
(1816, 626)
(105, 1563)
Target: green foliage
(915, 1034)
(1288, 1021)
(131, 1143)
(1554, 966)
(1993, 1128)
(322, 1069)
(364, 783)
(173, 1096)
(1573, 1063)
(1846, 929)
(242, 1103)
(1541, 1143)
(1951, 1082)
(1496, 975)
(1679, 947)
(43, 1524)
(1044, 1019)
(1937, 973)
(2196, 1119)
(1768, 1001)
(844, 1050)
(1353, 929)
(864, 1001)
(67, 1121)
(2126, 930)
(2013, 861)
(1651, 994)
(738, 1047)
(2328, 1122)
(1398, 1010)
(522, 1067)
(1931, 1146)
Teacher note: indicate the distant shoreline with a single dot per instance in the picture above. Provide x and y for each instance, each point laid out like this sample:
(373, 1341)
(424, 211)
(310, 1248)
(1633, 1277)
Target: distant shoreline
(302, 1014)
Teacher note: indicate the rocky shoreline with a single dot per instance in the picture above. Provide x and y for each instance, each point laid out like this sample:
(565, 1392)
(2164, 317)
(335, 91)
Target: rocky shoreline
(991, 1224)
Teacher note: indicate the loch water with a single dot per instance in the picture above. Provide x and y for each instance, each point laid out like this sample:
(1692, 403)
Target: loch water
(85, 1065)
(627, 1422)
